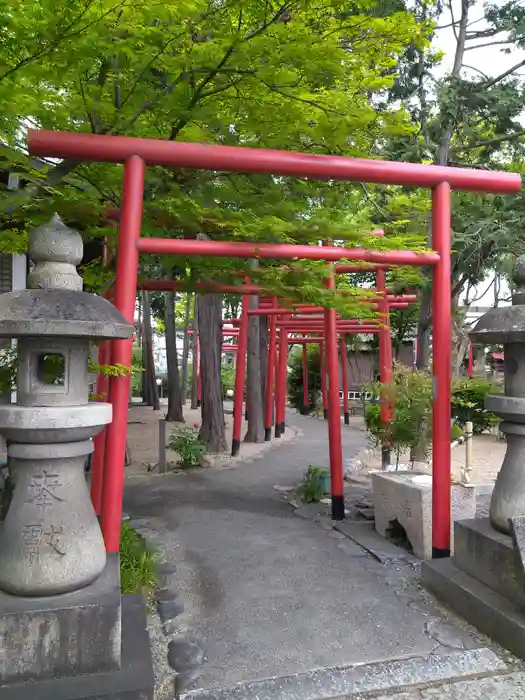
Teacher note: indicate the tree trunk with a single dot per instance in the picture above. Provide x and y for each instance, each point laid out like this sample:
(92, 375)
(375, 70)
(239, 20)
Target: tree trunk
(151, 391)
(263, 351)
(209, 309)
(194, 356)
(442, 158)
(186, 348)
(255, 432)
(174, 393)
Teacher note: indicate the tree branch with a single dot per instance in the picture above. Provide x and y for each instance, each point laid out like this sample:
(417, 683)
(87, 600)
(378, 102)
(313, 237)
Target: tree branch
(490, 43)
(502, 76)
(63, 35)
(494, 141)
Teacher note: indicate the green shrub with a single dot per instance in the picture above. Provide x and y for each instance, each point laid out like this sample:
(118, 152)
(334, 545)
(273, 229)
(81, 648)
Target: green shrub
(410, 395)
(138, 565)
(313, 485)
(188, 445)
(227, 379)
(456, 432)
(468, 402)
(8, 363)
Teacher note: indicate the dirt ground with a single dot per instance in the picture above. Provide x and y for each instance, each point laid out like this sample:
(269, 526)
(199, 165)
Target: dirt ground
(143, 440)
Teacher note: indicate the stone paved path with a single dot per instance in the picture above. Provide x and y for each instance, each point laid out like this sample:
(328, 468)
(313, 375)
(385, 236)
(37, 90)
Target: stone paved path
(270, 594)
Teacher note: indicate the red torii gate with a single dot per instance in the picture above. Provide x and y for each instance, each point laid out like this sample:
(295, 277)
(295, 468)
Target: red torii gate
(137, 153)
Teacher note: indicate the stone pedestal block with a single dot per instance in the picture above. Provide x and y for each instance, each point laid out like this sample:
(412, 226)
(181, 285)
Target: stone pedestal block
(64, 635)
(483, 582)
(489, 611)
(407, 498)
(490, 557)
(133, 681)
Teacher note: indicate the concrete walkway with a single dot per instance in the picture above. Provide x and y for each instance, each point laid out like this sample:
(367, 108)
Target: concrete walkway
(268, 594)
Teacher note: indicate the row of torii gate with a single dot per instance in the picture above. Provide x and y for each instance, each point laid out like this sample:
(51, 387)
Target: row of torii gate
(136, 154)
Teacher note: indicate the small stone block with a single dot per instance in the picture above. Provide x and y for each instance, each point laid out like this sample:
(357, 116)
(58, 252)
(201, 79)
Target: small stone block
(133, 681)
(490, 557)
(403, 497)
(165, 595)
(486, 609)
(185, 680)
(169, 609)
(184, 655)
(517, 528)
(62, 635)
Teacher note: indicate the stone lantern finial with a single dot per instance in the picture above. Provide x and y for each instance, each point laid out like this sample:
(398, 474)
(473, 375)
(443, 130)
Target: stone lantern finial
(55, 250)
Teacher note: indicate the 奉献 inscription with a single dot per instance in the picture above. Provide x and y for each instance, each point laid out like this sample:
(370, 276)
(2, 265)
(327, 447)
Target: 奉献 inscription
(43, 490)
(34, 537)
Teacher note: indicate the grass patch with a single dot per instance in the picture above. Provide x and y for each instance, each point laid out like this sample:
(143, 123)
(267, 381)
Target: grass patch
(138, 565)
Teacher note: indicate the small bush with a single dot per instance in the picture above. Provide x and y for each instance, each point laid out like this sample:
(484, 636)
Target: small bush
(410, 395)
(188, 445)
(468, 403)
(138, 565)
(313, 485)
(227, 379)
(456, 432)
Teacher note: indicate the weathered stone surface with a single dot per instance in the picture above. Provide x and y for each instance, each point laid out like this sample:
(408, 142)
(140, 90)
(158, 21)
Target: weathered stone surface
(508, 497)
(490, 557)
(517, 528)
(50, 541)
(60, 313)
(33, 391)
(53, 424)
(184, 655)
(489, 611)
(165, 595)
(54, 636)
(364, 534)
(397, 496)
(353, 681)
(169, 609)
(133, 681)
(185, 680)
(55, 250)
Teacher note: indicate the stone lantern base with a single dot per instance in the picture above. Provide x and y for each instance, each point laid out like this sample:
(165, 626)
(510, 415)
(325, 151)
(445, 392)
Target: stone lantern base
(88, 644)
(483, 582)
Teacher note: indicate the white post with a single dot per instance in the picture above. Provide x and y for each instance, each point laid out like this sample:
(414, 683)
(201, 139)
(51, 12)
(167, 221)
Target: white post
(468, 454)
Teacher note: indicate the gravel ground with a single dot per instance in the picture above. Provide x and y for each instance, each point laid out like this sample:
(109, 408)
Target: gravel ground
(164, 675)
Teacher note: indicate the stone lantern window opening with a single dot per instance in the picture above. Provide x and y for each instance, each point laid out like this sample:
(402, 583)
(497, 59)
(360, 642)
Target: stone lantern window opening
(51, 369)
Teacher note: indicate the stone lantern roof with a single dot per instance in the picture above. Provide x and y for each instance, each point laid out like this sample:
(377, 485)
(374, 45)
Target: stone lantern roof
(505, 324)
(55, 304)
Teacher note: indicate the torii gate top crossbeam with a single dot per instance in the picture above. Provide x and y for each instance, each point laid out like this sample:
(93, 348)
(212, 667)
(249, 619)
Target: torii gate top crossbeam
(118, 149)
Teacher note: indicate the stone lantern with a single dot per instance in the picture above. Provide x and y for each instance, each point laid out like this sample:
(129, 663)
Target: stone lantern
(61, 611)
(485, 580)
(51, 541)
(506, 325)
